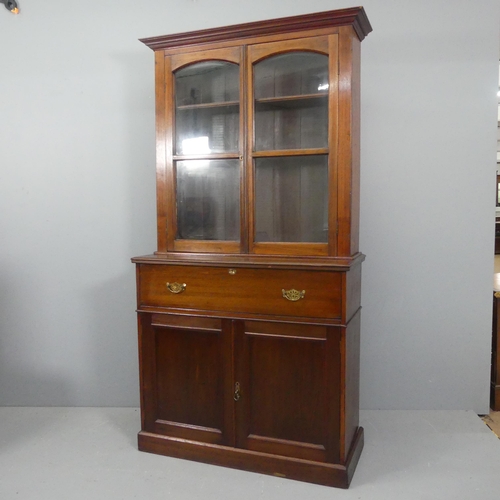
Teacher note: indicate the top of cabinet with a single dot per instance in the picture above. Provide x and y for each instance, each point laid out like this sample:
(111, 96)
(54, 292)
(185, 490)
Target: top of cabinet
(355, 17)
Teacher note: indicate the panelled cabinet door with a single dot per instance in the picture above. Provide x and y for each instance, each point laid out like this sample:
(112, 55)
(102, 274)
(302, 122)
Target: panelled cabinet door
(205, 150)
(291, 159)
(188, 392)
(287, 400)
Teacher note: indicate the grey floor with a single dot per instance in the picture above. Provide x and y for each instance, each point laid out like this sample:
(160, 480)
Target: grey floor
(90, 453)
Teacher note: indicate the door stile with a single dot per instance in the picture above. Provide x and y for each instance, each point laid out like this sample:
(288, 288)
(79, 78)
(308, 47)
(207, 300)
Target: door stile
(244, 148)
(147, 370)
(162, 131)
(249, 148)
(227, 361)
(169, 186)
(241, 398)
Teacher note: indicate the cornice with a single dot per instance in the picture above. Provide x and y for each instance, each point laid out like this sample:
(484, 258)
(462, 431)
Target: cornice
(355, 17)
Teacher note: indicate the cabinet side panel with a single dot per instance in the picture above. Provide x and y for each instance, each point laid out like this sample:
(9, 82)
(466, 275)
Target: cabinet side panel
(351, 401)
(353, 292)
(334, 394)
(355, 145)
(348, 152)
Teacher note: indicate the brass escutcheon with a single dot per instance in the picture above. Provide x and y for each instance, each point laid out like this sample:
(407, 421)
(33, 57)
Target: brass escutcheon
(237, 393)
(293, 295)
(232, 271)
(176, 287)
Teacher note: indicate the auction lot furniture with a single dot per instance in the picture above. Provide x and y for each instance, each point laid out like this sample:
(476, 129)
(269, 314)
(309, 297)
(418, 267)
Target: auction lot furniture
(249, 311)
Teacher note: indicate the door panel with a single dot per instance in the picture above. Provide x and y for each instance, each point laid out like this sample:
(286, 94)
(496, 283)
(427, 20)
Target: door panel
(188, 376)
(188, 379)
(284, 394)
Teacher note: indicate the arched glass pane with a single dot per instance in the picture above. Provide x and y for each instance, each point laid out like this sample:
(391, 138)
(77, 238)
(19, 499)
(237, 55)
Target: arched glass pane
(207, 108)
(291, 101)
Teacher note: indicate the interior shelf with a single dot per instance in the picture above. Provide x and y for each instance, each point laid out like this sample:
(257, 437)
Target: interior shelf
(293, 101)
(207, 105)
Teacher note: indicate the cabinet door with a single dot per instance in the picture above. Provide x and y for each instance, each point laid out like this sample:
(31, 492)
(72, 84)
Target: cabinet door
(185, 365)
(288, 397)
(204, 157)
(292, 149)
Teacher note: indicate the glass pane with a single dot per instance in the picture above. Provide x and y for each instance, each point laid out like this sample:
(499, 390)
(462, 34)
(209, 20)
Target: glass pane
(291, 101)
(291, 199)
(208, 200)
(207, 108)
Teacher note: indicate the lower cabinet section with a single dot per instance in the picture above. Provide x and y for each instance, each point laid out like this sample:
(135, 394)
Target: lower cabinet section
(262, 396)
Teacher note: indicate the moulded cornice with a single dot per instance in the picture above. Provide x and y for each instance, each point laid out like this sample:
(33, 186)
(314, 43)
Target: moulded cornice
(355, 17)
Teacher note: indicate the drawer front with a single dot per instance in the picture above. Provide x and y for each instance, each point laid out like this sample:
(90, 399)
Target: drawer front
(242, 290)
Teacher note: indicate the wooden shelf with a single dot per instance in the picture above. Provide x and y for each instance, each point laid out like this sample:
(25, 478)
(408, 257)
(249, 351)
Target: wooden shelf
(293, 101)
(208, 157)
(209, 105)
(289, 152)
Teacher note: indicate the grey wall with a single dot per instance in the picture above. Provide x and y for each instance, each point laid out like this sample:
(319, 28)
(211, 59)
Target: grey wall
(77, 193)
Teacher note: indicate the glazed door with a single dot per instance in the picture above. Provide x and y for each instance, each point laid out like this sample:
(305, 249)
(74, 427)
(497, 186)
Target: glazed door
(185, 376)
(204, 151)
(291, 153)
(287, 400)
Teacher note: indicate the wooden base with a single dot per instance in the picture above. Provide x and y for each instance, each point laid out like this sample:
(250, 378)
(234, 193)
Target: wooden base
(303, 470)
(495, 397)
(495, 347)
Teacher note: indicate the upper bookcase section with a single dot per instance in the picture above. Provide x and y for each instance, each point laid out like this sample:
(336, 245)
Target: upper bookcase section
(355, 17)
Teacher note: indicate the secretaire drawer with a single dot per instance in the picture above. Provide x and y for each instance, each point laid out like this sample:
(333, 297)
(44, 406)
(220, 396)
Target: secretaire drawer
(241, 290)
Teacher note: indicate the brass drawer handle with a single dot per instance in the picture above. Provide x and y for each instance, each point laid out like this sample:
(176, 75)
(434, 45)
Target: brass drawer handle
(176, 287)
(293, 295)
